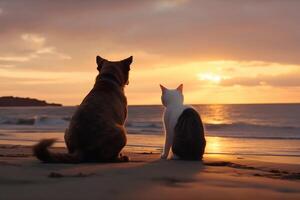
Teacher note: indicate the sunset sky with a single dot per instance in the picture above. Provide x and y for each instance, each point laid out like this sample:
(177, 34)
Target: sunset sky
(229, 51)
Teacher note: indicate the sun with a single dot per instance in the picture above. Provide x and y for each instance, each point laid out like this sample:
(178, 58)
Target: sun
(215, 78)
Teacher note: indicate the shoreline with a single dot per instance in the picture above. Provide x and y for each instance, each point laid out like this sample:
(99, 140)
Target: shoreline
(146, 177)
(258, 149)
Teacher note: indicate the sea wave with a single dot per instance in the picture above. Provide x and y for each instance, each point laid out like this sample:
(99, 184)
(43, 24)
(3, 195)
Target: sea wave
(253, 131)
(233, 130)
(144, 127)
(58, 120)
(45, 123)
(35, 121)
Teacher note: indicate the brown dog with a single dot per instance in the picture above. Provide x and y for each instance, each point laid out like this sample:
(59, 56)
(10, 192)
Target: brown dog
(96, 132)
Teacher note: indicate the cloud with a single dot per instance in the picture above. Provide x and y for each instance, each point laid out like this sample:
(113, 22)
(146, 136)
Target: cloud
(52, 51)
(164, 5)
(33, 38)
(187, 30)
(15, 58)
(282, 80)
(36, 48)
(7, 66)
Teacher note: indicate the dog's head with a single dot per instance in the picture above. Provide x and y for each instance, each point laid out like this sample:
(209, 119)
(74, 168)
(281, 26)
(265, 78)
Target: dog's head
(117, 71)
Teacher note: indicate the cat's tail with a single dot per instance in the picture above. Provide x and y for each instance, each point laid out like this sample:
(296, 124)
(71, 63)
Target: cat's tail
(40, 150)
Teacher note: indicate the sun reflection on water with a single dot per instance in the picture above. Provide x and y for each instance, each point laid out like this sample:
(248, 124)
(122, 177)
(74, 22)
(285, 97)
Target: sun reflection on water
(216, 114)
(213, 145)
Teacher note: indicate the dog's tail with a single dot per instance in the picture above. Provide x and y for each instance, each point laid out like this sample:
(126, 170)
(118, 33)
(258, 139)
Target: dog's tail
(41, 151)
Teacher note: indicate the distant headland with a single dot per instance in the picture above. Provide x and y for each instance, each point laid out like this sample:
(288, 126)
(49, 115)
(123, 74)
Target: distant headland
(10, 101)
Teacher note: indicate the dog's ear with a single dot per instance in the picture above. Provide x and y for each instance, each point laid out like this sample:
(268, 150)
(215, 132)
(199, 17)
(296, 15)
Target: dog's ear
(99, 62)
(127, 61)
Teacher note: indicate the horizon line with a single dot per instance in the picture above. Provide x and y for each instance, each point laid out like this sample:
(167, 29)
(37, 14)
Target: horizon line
(211, 104)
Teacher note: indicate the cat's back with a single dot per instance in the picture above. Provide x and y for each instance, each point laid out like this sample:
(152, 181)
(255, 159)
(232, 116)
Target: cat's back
(189, 139)
(171, 115)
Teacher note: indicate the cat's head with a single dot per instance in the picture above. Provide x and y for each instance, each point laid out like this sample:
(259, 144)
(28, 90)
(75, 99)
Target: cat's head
(172, 96)
(115, 70)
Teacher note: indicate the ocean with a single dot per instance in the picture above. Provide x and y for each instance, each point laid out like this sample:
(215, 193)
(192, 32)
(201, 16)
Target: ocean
(253, 129)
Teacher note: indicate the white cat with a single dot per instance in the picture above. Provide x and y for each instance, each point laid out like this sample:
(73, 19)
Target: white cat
(183, 127)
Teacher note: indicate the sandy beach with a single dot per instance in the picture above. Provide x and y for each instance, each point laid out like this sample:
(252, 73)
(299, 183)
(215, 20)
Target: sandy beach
(146, 177)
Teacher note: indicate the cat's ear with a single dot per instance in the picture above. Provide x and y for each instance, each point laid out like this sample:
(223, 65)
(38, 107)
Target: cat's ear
(180, 88)
(99, 62)
(163, 89)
